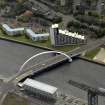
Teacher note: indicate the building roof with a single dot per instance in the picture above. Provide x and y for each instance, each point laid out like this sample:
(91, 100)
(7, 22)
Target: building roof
(10, 29)
(44, 34)
(6, 27)
(18, 29)
(55, 26)
(33, 34)
(40, 86)
(76, 35)
(30, 32)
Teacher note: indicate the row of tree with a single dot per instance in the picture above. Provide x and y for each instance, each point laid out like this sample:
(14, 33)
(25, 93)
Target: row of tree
(99, 32)
(90, 20)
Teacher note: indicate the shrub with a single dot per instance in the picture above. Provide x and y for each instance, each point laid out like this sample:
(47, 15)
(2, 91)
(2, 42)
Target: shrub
(23, 18)
(79, 27)
(90, 20)
(77, 24)
(57, 20)
(94, 14)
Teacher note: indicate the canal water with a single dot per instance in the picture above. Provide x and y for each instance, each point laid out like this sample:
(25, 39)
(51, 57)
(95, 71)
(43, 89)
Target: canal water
(13, 55)
(80, 71)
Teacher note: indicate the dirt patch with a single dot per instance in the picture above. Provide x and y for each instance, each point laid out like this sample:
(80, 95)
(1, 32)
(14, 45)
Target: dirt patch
(14, 99)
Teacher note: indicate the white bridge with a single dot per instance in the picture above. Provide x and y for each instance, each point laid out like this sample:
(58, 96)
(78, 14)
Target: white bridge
(47, 52)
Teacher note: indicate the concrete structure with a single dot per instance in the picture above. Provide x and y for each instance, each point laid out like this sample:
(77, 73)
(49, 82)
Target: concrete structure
(36, 37)
(63, 2)
(11, 31)
(39, 88)
(75, 4)
(64, 37)
(100, 6)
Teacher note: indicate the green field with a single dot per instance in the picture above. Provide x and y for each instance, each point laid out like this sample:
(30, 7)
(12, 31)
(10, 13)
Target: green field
(92, 54)
(47, 43)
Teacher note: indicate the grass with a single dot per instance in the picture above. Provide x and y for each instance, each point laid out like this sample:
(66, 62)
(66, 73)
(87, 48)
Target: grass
(14, 99)
(92, 54)
(47, 43)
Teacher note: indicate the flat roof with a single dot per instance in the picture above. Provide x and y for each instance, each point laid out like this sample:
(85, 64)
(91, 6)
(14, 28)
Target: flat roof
(10, 29)
(44, 34)
(30, 32)
(33, 34)
(18, 29)
(6, 27)
(40, 86)
(55, 26)
(76, 35)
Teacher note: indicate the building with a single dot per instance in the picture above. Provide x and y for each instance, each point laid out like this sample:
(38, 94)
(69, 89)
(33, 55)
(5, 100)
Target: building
(101, 6)
(54, 31)
(11, 31)
(63, 2)
(64, 37)
(97, 6)
(28, 32)
(40, 89)
(36, 37)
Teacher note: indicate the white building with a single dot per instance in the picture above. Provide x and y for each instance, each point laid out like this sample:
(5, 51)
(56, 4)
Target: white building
(36, 37)
(64, 37)
(39, 88)
(18, 31)
(75, 35)
(11, 31)
(54, 31)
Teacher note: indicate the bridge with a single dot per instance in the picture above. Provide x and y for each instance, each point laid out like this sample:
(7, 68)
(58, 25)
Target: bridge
(57, 60)
(51, 63)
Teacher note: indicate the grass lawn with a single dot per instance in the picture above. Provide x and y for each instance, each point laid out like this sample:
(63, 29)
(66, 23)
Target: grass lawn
(92, 54)
(47, 43)
(14, 99)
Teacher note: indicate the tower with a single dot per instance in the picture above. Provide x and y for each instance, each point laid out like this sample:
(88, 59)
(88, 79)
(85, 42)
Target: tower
(54, 32)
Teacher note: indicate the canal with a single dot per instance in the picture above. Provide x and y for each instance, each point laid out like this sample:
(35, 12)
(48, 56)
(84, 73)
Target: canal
(80, 71)
(13, 55)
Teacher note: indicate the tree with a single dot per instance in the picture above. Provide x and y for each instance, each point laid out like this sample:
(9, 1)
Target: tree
(21, 1)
